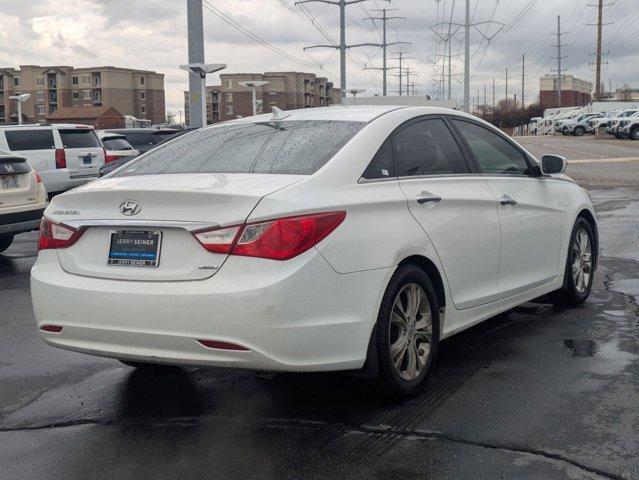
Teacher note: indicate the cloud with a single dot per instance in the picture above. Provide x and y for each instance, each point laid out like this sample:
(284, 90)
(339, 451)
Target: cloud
(151, 34)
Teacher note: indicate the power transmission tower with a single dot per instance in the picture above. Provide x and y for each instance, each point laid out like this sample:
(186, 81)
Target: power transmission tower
(494, 94)
(506, 87)
(384, 19)
(598, 52)
(559, 58)
(409, 72)
(401, 57)
(342, 4)
(467, 25)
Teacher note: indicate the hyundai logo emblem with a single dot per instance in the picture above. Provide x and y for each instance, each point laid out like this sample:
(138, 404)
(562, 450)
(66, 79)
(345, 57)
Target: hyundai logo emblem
(130, 207)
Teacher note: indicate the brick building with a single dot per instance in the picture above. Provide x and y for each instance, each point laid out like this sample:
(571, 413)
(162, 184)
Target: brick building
(286, 90)
(99, 117)
(574, 92)
(139, 93)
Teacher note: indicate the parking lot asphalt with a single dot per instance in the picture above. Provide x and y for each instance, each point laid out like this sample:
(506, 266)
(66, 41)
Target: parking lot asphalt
(537, 392)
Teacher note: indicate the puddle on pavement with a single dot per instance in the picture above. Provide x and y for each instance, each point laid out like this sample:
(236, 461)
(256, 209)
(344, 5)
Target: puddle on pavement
(581, 348)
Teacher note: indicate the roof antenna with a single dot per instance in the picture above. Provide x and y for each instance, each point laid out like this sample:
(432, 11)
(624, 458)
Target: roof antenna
(279, 115)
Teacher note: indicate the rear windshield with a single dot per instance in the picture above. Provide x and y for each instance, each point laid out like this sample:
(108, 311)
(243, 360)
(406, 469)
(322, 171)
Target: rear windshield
(77, 138)
(142, 138)
(116, 144)
(30, 139)
(293, 147)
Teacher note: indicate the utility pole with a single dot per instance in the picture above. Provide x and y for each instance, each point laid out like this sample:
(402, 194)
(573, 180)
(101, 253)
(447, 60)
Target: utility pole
(506, 87)
(559, 58)
(384, 45)
(494, 94)
(599, 32)
(342, 4)
(485, 95)
(467, 58)
(523, 81)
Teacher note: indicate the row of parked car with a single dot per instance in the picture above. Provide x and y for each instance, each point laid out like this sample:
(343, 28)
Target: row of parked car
(620, 123)
(38, 161)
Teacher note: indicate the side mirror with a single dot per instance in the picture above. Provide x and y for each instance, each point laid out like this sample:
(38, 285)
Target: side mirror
(553, 164)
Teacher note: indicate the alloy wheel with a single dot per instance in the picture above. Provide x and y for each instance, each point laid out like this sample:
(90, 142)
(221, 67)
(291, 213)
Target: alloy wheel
(411, 331)
(581, 261)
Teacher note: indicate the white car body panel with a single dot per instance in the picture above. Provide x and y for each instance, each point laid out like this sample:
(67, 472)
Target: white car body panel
(315, 311)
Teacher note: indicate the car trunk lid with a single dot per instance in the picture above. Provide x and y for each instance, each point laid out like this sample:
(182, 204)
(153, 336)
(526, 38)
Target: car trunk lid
(18, 185)
(168, 206)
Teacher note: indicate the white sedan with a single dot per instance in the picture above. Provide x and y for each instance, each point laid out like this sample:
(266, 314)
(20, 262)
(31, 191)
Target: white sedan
(339, 238)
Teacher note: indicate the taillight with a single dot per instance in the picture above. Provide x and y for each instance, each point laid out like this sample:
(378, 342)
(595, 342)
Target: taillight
(109, 158)
(60, 158)
(280, 239)
(54, 235)
(37, 177)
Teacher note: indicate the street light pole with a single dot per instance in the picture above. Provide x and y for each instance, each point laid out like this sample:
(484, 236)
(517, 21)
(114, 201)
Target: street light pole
(20, 99)
(254, 84)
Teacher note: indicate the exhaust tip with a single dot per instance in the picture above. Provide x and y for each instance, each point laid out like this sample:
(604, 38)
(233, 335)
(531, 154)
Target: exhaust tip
(51, 328)
(219, 345)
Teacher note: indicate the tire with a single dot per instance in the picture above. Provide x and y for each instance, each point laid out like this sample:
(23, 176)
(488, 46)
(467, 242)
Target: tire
(403, 381)
(634, 134)
(580, 258)
(619, 136)
(579, 131)
(5, 242)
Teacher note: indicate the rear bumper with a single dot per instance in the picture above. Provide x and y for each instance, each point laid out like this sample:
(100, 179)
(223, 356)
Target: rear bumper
(20, 222)
(298, 315)
(60, 180)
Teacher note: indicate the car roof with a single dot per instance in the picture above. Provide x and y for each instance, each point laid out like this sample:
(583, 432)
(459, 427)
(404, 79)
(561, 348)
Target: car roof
(45, 126)
(141, 130)
(353, 113)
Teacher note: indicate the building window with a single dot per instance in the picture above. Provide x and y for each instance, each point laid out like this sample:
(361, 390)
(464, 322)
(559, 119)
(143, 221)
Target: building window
(96, 81)
(40, 96)
(272, 91)
(229, 109)
(142, 80)
(142, 95)
(16, 81)
(143, 109)
(74, 80)
(86, 79)
(86, 94)
(97, 96)
(40, 80)
(228, 83)
(41, 110)
(76, 95)
(229, 97)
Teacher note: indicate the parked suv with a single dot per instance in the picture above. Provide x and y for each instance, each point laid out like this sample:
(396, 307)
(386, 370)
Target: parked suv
(64, 155)
(579, 125)
(23, 198)
(144, 139)
(629, 127)
(613, 126)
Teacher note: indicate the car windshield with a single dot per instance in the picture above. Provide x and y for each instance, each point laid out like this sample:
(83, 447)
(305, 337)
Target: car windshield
(291, 147)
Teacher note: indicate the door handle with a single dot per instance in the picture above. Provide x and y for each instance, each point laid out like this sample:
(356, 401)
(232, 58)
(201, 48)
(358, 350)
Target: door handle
(427, 197)
(507, 200)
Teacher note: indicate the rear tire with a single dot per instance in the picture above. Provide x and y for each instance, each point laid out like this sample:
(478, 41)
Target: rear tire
(634, 134)
(5, 242)
(618, 136)
(579, 270)
(579, 131)
(407, 333)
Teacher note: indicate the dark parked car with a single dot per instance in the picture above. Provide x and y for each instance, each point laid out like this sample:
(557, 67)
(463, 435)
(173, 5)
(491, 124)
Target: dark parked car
(158, 138)
(144, 139)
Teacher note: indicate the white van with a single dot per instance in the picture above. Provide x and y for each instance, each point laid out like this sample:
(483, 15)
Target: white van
(64, 155)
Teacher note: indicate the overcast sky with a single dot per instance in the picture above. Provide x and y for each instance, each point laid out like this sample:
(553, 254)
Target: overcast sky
(151, 34)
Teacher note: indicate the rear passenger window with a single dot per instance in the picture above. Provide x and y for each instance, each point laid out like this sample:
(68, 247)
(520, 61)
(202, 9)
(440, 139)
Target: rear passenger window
(427, 147)
(30, 139)
(79, 138)
(382, 164)
(494, 154)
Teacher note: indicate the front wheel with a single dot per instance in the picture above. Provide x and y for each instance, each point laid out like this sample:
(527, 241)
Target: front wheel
(579, 131)
(407, 332)
(5, 242)
(579, 270)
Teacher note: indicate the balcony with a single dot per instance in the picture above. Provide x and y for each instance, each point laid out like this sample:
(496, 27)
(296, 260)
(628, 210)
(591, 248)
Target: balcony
(53, 98)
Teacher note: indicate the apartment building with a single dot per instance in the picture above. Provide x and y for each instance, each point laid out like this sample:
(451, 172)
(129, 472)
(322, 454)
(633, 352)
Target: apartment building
(574, 91)
(285, 90)
(139, 93)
